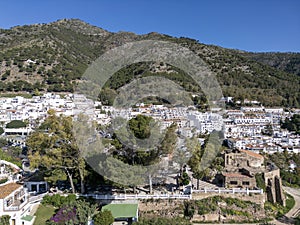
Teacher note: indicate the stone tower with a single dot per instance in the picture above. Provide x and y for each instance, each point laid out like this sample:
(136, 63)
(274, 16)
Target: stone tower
(273, 185)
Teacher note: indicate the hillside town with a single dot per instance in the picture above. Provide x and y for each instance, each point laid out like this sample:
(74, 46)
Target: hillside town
(250, 133)
(246, 128)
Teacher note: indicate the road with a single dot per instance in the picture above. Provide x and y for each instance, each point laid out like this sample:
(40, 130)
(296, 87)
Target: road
(288, 217)
(295, 192)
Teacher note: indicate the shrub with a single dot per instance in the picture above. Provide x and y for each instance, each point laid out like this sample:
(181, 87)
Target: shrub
(4, 180)
(4, 220)
(103, 218)
(58, 200)
(189, 209)
(16, 124)
(64, 215)
(260, 182)
(5, 156)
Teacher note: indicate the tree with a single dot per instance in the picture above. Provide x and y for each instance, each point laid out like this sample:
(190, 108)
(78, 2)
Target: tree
(292, 124)
(1, 130)
(218, 164)
(268, 130)
(196, 151)
(189, 209)
(204, 157)
(122, 173)
(184, 179)
(3, 142)
(16, 124)
(103, 218)
(107, 96)
(170, 140)
(85, 211)
(140, 125)
(53, 149)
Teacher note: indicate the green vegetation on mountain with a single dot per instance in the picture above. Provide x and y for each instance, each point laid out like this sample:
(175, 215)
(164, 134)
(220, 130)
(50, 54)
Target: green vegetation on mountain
(282, 160)
(53, 57)
(288, 62)
(292, 124)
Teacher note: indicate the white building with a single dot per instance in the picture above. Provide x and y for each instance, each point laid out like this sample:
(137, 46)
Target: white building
(205, 122)
(14, 203)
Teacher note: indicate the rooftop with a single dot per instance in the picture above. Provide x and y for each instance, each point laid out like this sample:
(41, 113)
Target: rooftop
(7, 189)
(253, 154)
(238, 175)
(27, 218)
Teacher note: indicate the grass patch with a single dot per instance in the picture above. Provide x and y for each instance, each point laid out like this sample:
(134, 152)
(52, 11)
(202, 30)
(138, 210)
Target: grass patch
(278, 210)
(44, 213)
(5, 156)
(290, 203)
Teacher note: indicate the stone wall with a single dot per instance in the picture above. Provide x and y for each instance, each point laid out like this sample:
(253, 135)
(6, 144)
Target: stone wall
(274, 189)
(258, 199)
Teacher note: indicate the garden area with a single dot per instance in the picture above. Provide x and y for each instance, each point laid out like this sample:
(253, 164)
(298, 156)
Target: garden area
(60, 210)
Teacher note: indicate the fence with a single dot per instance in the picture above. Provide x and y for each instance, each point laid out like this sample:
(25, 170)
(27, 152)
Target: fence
(137, 196)
(36, 198)
(229, 191)
(157, 196)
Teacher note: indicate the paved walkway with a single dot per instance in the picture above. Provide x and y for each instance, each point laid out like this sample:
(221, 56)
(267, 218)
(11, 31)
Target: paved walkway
(295, 211)
(34, 209)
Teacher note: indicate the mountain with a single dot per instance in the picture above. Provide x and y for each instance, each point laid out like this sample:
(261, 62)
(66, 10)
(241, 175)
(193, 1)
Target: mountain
(53, 57)
(288, 62)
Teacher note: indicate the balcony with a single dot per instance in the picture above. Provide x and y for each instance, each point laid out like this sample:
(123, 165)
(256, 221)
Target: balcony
(16, 206)
(16, 202)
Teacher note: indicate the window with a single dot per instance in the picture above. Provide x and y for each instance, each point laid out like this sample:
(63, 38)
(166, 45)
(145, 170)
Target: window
(246, 183)
(42, 187)
(9, 202)
(234, 182)
(33, 187)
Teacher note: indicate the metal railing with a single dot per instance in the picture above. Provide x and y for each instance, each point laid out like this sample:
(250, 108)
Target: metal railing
(229, 191)
(137, 196)
(36, 198)
(15, 207)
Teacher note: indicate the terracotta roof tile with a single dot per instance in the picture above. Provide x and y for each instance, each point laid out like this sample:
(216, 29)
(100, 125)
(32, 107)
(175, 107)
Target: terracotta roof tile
(238, 175)
(7, 189)
(253, 154)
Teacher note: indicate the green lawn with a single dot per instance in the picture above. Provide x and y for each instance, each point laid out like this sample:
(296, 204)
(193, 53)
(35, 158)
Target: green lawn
(43, 213)
(122, 210)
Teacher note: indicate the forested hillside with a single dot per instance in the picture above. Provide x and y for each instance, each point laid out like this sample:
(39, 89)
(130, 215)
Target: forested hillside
(53, 57)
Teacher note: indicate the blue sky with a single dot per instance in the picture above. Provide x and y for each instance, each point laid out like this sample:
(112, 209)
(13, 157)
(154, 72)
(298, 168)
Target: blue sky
(252, 25)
